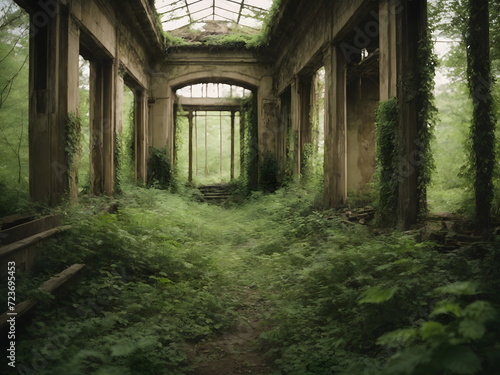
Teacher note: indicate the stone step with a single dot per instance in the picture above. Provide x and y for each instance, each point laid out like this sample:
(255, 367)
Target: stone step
(216, 193)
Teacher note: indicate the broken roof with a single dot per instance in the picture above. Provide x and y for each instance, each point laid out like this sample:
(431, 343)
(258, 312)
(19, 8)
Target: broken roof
(175, 14)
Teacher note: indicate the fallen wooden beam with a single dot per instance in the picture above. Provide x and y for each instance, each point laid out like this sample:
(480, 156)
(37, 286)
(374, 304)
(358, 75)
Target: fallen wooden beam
(29, 228)
(49, 286)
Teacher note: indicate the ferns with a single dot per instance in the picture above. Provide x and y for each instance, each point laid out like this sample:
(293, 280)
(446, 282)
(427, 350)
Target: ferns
(165, 272)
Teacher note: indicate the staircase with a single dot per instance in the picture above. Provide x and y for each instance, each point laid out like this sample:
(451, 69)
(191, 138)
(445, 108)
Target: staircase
(216, 193)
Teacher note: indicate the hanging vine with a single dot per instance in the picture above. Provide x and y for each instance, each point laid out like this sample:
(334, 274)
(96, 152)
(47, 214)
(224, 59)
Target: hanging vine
(387, 151)
(427, 113)
(73, 146)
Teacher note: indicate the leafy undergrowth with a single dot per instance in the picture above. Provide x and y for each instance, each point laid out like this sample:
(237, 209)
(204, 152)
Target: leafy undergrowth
(165, 273)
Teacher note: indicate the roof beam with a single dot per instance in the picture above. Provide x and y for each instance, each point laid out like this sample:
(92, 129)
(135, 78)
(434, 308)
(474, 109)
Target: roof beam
(241, 11)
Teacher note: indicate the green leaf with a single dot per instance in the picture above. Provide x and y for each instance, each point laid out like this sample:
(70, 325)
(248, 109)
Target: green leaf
(377, 295)
(400, 337)
(480, 311)
(447, 307)
(467, 288)
(122, 349)
(430, 330)
(471, 329)
(460, 360)
(405, 362)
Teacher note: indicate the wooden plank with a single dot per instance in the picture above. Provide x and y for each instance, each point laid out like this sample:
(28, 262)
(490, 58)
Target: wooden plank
(9, 249)
(49, 286)
(28, 229)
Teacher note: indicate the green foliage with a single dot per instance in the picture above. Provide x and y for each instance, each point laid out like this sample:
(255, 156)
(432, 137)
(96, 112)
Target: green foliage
(235, 40)
(461, 341)
(159, 168)
(453, 149)
(387, 125)
(14, 111)
(249, 151)
(268, 173)
(73, 145)
(427, 116)
(174, 271)
(174, 41)
(482, 131)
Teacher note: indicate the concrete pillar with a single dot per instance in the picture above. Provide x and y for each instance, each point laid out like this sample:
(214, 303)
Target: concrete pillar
(190, 147)
(242, 140)
(402, 26)
(411, 29)
(102, 127)
(296, 117)
(269, 126)
(109, 129)
(162, 123)
(233, 113)
(388, 11)
(362, 100)
(54, 51)
(283, 136)
(301, 120)
(141, 135)
(266, 118)
(335, 166)
(306, 92)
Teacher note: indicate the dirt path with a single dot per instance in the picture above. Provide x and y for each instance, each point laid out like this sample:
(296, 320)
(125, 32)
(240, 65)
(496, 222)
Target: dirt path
(235, 352)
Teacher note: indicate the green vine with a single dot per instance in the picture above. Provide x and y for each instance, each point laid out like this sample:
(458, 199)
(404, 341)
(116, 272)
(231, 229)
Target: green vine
(250, 144)
(118, 157)
(426, 118)
(73, 146)
(268, 173)
(482, 141)
(387, 125)
(160, 174)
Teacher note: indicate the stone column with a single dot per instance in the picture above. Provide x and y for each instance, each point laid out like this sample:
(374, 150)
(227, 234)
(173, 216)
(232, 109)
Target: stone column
(306, 89)
(141, 135)
(335, 167)
(102, 127)
(190, 150)
(242, 141)
(233, 113)
(388, 11)
(411, 29)
(54, 52)
(296, 101)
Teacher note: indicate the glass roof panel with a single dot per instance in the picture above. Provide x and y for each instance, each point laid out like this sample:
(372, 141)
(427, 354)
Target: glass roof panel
(176, 14)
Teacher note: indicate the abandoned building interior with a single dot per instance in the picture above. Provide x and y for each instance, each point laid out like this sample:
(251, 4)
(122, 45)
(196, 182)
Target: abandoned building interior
(361, 48)
(254, 93)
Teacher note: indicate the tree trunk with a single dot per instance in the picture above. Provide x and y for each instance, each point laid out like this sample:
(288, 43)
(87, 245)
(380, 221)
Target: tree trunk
(483, 122)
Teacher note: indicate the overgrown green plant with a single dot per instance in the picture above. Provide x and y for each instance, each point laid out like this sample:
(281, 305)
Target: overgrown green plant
(159, 168)
(482, 132)
(73, 146)
(268, 173)
(119, 162)
(387, 152)
(250, 153)
(426, 118)
(459, 340)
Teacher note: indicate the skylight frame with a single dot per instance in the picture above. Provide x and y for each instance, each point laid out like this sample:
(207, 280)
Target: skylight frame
(183, 10)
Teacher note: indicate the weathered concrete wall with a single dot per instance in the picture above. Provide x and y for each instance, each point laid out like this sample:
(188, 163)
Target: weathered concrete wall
(306, 30)
(187, 66)
(119, 38)
(362, 101)
(193, 65)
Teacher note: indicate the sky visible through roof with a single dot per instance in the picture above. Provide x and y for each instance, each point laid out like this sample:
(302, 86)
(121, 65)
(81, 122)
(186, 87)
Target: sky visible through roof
(178, 13)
